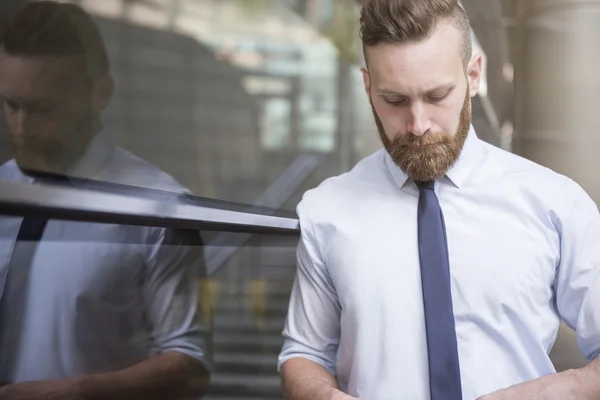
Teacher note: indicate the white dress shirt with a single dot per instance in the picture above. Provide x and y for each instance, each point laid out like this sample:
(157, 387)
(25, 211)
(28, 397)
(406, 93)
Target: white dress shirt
(524, 251)
(100, 297)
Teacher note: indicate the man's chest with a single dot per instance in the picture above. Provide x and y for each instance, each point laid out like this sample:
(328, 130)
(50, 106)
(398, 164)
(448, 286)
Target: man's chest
(73, 260)
(498, 260)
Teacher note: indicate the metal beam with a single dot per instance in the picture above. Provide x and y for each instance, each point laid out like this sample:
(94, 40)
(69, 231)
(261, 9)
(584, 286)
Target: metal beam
(80, 204)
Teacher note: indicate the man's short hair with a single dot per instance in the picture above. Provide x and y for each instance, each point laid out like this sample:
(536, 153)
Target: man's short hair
(400, 21)
(48, 28)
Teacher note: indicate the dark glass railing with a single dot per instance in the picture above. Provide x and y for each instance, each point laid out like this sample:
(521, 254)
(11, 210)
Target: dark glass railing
(121, 243)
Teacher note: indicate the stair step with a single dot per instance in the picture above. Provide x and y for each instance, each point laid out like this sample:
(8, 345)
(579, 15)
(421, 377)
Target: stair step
(280, 276)
(247, 299)
(250, 307)
(248, 342)
(243, 384)
(268, 360)
(240, 305)
(232, 323)
(245, 287)
(256, 364)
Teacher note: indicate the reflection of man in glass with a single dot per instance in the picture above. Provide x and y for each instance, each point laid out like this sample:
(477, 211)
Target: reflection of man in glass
(87, 311)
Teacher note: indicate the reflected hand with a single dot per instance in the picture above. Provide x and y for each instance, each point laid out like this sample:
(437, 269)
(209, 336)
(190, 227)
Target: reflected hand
(339, 395)
(563, 386)
(65, 389)
(343, 396)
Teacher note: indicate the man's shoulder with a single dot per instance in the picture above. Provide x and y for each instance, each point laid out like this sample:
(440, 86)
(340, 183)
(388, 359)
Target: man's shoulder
(126, 168)
(336, 193)
(503, 163)
(10, 172)
(514, 172)
(7, 167)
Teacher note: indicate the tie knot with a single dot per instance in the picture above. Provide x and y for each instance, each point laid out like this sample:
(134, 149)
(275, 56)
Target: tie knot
(425, 184)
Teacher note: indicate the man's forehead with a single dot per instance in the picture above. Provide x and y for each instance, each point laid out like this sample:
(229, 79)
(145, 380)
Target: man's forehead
(441, 51)
(38, 72)
(57, 67)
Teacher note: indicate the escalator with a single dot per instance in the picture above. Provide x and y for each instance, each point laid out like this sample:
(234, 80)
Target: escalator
(249, 313)
(250, 281)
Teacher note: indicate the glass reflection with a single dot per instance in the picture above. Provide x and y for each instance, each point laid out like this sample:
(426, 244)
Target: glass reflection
(87, 310)
(228, 100)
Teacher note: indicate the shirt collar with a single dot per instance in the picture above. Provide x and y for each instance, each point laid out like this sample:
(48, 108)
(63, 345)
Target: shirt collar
(95, 156)
(457, 175)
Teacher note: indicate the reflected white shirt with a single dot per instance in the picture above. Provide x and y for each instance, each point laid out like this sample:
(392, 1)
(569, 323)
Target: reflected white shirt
(100, 297)
(524, 250)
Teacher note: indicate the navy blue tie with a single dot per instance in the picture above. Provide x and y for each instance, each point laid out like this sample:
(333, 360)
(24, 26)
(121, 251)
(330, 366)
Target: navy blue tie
(442, 349)
(16, 289)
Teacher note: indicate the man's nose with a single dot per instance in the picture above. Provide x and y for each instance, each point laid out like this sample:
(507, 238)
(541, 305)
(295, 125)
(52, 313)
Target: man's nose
(418, 122)
(20, 123)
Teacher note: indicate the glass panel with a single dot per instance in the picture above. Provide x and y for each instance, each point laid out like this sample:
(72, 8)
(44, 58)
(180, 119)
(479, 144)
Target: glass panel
(85, 299)
(250, 296)
(218, 98)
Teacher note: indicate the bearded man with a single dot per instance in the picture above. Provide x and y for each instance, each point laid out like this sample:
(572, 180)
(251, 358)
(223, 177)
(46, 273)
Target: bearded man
(440, 267)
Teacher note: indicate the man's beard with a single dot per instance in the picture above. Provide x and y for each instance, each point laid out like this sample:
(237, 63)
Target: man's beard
(45, 153)
(432, 161)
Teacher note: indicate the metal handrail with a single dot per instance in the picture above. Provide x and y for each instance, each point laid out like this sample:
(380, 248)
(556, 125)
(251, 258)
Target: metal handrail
(274, 197)
(105, 202)
(81, 204)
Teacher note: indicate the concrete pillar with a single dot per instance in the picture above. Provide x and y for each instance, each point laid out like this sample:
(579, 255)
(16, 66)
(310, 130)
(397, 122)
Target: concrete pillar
(557, 88)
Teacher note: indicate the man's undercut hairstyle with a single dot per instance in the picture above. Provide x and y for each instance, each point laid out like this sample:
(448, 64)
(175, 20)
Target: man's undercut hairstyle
(47, 28)
(401, 21)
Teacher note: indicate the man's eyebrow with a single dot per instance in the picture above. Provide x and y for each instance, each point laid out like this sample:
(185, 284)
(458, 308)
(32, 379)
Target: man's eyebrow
(389, 92)
(442, 88)
(29, 102)
(13, 100)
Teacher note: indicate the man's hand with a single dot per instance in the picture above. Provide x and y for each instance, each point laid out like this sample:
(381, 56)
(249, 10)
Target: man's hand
(567, 385)
(65, 389)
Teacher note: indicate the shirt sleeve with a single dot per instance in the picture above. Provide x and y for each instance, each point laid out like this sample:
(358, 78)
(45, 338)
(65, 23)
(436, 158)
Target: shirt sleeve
(577, 282)
(312, 328)
(171, 295)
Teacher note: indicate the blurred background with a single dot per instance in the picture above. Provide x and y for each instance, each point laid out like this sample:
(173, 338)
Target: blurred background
(256, 101)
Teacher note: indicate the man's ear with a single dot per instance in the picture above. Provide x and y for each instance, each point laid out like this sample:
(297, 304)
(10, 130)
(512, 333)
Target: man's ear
(104, 89)
(367, 81)
(474, 71)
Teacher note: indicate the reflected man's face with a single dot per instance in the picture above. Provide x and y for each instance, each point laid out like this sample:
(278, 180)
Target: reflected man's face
(49, 107)
(420, 94)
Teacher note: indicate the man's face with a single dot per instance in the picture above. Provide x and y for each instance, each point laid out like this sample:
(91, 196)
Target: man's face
(420, 95)
(49, 108)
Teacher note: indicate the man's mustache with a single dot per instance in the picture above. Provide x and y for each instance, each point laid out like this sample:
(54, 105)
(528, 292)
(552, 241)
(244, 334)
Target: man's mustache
(409, 140)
